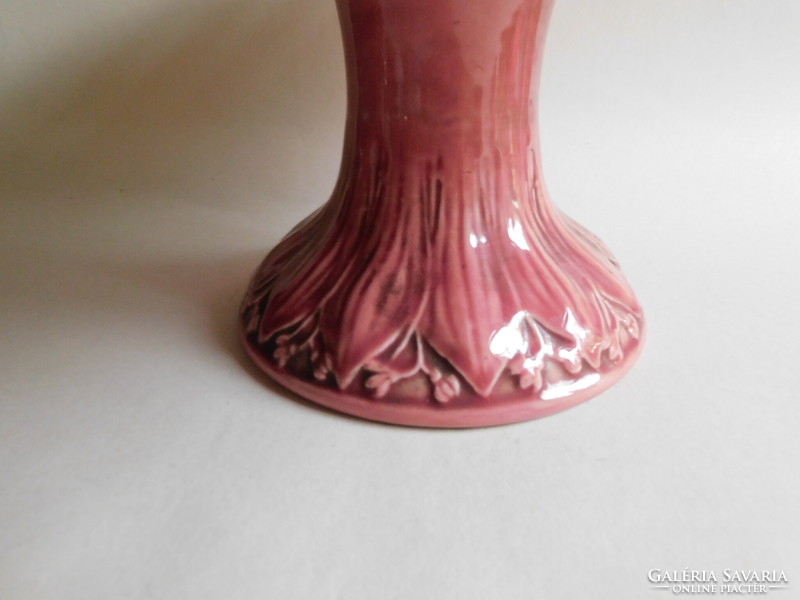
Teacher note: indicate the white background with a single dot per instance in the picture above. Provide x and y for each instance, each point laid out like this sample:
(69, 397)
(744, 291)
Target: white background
(152, 151)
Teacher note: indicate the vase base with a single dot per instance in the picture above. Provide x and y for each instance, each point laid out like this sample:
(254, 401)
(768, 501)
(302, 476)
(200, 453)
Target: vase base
(479, 413)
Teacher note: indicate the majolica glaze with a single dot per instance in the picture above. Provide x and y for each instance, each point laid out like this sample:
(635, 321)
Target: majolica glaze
(439, 286)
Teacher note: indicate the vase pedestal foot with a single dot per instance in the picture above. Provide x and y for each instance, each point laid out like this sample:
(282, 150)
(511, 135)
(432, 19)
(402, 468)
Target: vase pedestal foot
(416, 403)
(439, 286)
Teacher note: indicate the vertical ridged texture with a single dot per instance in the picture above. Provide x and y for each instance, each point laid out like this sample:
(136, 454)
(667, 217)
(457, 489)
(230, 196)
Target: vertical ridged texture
(439, 253)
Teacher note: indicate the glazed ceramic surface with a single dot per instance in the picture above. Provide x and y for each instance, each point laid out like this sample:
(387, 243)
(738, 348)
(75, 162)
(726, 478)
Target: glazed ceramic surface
(439, 286)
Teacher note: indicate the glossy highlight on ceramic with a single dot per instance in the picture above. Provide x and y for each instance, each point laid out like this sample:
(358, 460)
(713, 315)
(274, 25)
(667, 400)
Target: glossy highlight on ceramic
(439, 286)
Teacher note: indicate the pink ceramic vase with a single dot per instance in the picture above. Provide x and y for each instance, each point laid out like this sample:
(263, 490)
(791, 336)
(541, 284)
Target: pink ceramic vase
(439, 286)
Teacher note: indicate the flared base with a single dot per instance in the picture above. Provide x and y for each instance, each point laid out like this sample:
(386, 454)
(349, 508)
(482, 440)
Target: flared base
(439, 286)
(484, 413)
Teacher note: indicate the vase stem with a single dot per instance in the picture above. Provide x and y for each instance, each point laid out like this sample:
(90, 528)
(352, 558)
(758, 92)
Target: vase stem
(460, 84)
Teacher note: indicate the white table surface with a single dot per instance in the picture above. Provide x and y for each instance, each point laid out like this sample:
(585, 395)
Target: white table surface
(151, 152)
